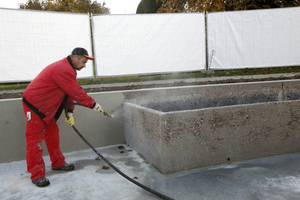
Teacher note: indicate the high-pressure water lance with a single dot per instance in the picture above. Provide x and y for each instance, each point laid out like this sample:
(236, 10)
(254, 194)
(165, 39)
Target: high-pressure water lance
(105, 113)
(111, 165)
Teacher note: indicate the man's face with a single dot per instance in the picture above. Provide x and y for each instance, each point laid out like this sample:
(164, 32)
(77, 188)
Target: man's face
(78, 64)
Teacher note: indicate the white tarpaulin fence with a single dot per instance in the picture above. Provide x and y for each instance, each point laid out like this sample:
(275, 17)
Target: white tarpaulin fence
(31, 40)
(253, 39)
(149, 43)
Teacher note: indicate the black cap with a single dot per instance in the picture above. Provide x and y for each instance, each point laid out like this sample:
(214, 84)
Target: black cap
(82, 52)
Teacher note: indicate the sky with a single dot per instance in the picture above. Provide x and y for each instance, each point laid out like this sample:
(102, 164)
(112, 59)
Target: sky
(116, 6)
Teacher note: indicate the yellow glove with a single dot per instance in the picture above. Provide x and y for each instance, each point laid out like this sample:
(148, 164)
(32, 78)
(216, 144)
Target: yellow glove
(70, 120)
(97, 108)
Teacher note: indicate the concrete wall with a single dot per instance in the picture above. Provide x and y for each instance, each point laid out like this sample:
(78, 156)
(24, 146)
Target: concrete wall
(103, 131)
(222, 124)
(183, 140)
(98, 129)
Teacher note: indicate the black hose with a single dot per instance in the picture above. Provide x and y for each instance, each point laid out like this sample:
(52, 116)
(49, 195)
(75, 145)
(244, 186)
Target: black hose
(111, 165)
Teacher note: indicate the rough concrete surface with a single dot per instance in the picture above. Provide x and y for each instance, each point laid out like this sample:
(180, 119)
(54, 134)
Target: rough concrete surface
(183, 128)
(274, 178)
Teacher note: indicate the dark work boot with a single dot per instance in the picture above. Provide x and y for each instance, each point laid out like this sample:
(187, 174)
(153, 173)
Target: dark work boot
(41, 182)
(65, 167)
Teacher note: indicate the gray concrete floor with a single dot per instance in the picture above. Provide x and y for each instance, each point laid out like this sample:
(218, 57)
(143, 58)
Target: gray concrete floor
(271, 178)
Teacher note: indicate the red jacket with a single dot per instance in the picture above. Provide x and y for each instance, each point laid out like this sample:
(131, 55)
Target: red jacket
(48, 90)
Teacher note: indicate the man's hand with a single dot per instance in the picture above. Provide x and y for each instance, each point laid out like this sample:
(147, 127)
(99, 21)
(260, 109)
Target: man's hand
(97, 108)
(70, 120)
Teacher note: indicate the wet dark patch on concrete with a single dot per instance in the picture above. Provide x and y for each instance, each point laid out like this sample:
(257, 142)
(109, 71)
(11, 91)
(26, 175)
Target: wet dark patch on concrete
(292, 96)
(132, 163)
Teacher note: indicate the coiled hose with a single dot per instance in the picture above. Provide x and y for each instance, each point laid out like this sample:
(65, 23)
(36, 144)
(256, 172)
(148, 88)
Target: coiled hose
(110, 164)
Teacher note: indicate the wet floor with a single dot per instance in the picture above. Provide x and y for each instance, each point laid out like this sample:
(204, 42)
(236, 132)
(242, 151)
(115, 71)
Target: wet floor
(274, 178)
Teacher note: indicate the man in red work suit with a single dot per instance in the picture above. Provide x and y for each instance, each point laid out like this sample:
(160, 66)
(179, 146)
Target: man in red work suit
(43, 102)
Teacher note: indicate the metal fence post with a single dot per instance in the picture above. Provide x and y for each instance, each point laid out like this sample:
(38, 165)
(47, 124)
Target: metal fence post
(206, 41)
(95, 73)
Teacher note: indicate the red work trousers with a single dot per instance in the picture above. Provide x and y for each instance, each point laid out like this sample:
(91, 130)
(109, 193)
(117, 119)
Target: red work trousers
(37, 131)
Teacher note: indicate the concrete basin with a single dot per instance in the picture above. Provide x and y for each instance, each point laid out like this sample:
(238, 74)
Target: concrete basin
(244, 122)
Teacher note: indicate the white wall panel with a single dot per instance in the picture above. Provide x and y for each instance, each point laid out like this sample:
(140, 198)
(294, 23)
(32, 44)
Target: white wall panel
(253, 39)
(31, 40)
(149, 43)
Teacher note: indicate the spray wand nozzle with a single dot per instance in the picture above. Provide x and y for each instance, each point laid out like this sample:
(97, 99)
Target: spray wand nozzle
(106, 114)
